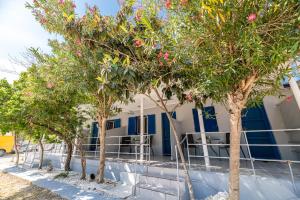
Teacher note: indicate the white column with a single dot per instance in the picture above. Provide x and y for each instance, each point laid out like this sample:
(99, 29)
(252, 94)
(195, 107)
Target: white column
(295, 89)
(203, 138)
(142, 130)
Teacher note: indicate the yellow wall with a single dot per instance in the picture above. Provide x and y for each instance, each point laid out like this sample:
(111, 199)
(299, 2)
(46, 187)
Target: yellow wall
(7, 143)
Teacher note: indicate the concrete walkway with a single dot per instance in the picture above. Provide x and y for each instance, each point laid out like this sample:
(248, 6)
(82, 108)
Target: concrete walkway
(64, 190)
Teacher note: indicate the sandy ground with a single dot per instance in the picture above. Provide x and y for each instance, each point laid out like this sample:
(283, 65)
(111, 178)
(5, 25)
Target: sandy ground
(13, 188)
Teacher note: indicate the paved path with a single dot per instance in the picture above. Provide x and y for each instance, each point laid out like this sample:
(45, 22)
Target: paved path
(62, 189)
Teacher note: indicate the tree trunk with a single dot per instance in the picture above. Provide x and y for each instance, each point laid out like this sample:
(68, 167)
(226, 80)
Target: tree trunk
(16, 149)
(41, 153)
(102, 134)
(185, 169)
(187, 176)
(236, 102)
(69, 156)
(82, 158)
(235, 106)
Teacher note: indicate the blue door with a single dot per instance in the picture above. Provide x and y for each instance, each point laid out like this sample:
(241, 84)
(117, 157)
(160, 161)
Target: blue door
(256, 119)
(94, 136)
(166, 139)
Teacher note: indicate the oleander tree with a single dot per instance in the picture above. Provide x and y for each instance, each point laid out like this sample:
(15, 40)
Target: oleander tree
(158, 65)
(51, 103)
(6, 92)
(102, 68)
(59, 72)
(11, 113)
(234, 52)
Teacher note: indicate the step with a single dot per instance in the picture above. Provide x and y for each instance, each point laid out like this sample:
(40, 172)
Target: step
(296, 151)
(294, 142)
(154, 185)
(161, 182)
(150, 192)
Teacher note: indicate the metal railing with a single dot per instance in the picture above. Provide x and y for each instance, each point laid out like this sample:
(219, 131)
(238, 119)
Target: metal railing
(245, 145)
(115, 145)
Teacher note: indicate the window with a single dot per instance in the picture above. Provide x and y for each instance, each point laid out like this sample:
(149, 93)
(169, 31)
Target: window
(138, 124)
(134, 125)
(110, 124)
(209, 119)
(113, 123)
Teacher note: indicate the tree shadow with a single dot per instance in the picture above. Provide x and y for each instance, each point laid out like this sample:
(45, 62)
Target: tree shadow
(32, 192)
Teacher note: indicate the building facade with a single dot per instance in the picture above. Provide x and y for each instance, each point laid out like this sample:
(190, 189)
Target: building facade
(275, 115)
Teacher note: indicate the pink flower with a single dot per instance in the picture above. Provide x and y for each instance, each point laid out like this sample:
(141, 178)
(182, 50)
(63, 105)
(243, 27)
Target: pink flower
(29, 94)
(160, 54)
(78, 53)
(166, 56)
(93, 10)
(251, 17)
(183, 2)
(138, 43)
(50, 85)
(43, 20)
(73, 5)
(189, 97)
(289, 98)
(61, 1)
(78, 42)
(138, 15)
(168, 4)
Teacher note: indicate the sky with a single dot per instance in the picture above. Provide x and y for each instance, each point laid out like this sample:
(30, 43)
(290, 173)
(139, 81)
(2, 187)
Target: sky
(19, 31)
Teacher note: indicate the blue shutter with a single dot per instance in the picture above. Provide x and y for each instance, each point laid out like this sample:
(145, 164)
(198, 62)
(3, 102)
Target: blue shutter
(151, 124)
(132, 126)
(209, 118)
(94, 136)
(196, 120)
(174, 115)
(117, 123)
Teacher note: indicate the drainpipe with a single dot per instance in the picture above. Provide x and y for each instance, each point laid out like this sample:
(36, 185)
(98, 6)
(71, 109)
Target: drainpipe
(142, 130)
(203, 139)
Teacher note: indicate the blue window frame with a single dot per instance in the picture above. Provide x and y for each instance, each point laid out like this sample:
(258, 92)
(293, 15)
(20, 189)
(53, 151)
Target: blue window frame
(209, 119)
(134, 124)
(113, 123)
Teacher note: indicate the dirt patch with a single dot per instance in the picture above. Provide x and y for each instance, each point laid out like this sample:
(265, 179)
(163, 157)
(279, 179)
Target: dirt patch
(14, 188)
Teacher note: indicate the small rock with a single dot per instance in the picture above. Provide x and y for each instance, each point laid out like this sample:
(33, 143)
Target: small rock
(49, 167)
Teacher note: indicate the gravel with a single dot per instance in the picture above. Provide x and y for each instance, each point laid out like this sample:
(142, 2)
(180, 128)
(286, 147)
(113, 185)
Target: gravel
(218, 196)
(74, 179)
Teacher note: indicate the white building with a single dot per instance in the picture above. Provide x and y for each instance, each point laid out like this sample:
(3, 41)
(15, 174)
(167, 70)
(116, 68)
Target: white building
(275, 115)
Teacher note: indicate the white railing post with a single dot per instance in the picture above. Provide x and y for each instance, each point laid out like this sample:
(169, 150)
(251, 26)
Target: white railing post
(95, 153)
(203, 139)
(135, 174)
(119, 147)
(149, 143)
(249, 152)
(177, 171)
(292, 176)
(142, 129)
(188, 149)
(62, 161)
